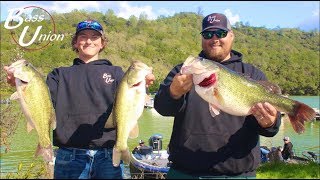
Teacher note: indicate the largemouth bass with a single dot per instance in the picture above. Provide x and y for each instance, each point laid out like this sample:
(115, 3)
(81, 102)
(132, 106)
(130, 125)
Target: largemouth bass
(128, 107)
(232, 93)
(35, 102)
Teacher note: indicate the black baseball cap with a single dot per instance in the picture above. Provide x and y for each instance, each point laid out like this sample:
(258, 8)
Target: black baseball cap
(216, 21)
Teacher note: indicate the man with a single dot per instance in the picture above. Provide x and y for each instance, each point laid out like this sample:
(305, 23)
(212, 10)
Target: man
(287, 149)
(142, 149)
(202, 146)
(275, 154)
(83, 96)
(137, 148)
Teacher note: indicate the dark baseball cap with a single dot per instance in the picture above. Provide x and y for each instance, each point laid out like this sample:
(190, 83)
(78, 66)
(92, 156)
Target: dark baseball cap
(89, 24)
(216, 21)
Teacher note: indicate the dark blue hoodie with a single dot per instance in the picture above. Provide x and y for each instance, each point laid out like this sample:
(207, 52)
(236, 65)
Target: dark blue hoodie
(83, 96)
(204, 145)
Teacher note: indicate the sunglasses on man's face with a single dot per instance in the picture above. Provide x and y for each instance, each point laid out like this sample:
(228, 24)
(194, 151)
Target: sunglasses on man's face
(89, 24)
(219, 33)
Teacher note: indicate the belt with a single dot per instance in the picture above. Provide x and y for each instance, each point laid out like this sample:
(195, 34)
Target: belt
(89, 146)
(85, 151)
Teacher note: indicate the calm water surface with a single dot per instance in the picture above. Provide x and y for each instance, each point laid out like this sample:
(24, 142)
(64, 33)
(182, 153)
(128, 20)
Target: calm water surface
(23, 144)
(307, 141)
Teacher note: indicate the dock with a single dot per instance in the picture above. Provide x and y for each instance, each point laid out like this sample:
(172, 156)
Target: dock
(317, 113)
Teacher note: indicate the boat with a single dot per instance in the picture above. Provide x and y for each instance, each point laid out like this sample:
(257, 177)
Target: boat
(307, 156)
(317, 113)
(150, 164)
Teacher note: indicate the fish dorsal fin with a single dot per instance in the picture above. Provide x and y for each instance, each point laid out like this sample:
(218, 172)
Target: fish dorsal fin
(53, 122)
(218, 96)
(273, 88)
(270, 87)
(110, 122)
(147, 99)
(30, 126)
(134, 133)
(14, 96)
(214, 110)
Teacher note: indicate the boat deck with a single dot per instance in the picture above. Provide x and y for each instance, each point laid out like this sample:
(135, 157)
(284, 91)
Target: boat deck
(151, 166)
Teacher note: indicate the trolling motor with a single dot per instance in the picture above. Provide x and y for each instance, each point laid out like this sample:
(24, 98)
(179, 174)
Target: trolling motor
(155, 142)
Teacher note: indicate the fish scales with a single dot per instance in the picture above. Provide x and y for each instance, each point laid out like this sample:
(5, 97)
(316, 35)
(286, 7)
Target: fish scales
(128, 107)
(40, 107)
(35, 102)
(34, 98)
(235, 94)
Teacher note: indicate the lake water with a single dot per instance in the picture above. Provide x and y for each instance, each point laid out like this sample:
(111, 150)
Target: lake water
(24, 144)
(307, 141)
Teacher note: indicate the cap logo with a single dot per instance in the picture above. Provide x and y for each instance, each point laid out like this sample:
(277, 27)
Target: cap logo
(212, 19)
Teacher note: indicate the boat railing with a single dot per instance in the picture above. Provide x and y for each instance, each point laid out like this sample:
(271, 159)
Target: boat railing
(148, 175)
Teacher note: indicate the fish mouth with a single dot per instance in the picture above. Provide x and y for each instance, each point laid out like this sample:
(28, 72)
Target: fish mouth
(208, 81)
(23, 82)
(137, 84)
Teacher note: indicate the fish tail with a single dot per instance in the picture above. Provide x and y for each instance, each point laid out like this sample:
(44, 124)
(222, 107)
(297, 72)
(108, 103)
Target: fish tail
(300, 114)
(45, 152)
(120, 155)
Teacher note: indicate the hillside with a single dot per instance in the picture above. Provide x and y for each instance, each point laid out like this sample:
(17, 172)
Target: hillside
(289, 57)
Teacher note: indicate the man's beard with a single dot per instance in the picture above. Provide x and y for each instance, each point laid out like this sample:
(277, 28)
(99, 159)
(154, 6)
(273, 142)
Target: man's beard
(218, 56)
(215, 56)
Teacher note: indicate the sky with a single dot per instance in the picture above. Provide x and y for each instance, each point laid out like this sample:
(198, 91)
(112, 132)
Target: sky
(270, 14)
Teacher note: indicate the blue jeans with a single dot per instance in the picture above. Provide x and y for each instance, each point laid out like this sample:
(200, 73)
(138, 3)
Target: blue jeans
(72, 163)
(264, 155)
